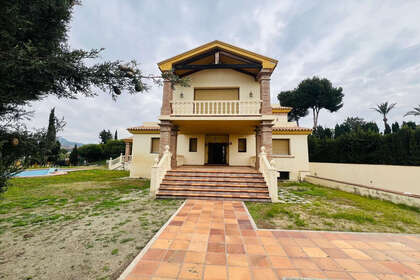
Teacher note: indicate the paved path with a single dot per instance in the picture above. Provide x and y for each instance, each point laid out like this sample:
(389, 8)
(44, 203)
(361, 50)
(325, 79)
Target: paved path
(217, 240)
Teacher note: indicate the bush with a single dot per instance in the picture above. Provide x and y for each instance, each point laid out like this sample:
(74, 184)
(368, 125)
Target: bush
(368, 147)
(92, 152)
(113, 148)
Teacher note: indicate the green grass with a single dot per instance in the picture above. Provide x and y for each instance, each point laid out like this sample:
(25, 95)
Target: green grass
(332, 209)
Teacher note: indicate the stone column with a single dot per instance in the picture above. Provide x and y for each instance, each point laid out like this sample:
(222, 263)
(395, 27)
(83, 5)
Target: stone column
(127, 150)
(172, 146)
(264, 79)
(267, 137)
(257, 147)
(166, 98)
(165, 136)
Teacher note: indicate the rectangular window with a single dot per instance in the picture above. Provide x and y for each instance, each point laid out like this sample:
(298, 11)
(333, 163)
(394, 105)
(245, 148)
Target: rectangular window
(242, 145)
(193, 145)
(281, 147)
(154, 146)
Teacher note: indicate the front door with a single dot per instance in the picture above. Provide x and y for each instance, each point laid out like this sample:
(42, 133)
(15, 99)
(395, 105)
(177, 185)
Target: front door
(217, 153)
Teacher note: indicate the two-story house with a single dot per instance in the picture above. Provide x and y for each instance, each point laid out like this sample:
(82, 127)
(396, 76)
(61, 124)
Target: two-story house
(220, 137)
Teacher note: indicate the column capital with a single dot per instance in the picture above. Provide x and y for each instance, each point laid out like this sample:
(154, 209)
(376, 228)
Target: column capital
(264, 74)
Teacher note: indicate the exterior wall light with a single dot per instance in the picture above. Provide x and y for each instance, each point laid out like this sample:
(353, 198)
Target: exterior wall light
(181, 95)
(251, 94)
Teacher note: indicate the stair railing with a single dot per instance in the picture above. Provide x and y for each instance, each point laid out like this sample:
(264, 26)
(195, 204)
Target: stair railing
(116, 162)
(159, 169)
(270, 175)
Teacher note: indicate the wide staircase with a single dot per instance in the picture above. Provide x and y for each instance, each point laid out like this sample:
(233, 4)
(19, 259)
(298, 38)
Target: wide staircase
(241, 183)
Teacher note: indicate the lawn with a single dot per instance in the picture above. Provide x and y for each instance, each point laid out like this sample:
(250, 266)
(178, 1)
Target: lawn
(84, 225)
(312, 207)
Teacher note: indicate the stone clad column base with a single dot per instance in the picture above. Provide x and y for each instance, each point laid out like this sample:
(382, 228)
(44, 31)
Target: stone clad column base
(267, 137)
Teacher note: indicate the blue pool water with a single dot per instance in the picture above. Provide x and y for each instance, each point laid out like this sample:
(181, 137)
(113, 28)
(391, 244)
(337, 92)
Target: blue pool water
(37, 172)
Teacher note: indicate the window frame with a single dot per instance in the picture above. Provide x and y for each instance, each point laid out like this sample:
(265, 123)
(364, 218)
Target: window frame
(239, 150)
(190, 146)
(151, 144)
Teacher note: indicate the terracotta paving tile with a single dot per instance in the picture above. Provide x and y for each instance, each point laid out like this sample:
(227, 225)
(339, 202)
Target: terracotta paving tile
(356, 254)
(254, 249)
(377, 255)
(341, 244)
(305, 242)
(138, 277)
(350, 265)
(215, 272)
(281, 262)
(216, 240)
(237, 260)
(314, 252)
(239, 273)
(304, 264)
(335, 253)
(194, 257)
(263, 274)
(198, 246)
(179, 245)
(337, 275)
(363, 276)
(216, 258)
(294, 252)
(162, 244)
(275, 250)
(327, 264)
(168, 270)
(145, 268)
(174, 256)
(323, 243)
(235, 249)
(288, 273)
(216, 247)
(315, 274)
(233, 240)
(191, 271)
(375, 267)
(154, 254)
(259, 260)
(388, 277)
(399, 268)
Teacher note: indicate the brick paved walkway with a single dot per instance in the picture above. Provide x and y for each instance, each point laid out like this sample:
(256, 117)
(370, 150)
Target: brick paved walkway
(216, 240)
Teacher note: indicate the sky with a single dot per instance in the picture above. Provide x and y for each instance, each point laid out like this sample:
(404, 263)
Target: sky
(369, 48)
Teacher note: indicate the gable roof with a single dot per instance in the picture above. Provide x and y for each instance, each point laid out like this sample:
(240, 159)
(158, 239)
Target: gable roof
(266, 62)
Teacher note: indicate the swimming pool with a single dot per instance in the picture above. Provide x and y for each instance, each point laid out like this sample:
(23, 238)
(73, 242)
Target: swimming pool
(38, 172)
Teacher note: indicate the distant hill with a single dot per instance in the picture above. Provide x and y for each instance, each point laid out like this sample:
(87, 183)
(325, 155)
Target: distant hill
(67, 144)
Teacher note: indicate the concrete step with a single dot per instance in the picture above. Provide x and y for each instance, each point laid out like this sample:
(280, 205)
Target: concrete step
(214, 175)
(213, 184)
(213, 190)
(227, 180)
(200, 195)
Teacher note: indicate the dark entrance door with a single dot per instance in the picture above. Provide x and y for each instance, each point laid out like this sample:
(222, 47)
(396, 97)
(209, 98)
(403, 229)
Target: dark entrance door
(217, 153)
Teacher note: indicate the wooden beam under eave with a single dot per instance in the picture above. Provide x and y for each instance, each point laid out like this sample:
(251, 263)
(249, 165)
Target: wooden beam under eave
(216, 58)
(216, 66)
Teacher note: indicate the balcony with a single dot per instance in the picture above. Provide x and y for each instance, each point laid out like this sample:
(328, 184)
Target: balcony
(216, 108)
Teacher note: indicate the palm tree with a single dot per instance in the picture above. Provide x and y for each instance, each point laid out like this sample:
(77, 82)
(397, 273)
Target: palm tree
(384, 109)
(415, 112)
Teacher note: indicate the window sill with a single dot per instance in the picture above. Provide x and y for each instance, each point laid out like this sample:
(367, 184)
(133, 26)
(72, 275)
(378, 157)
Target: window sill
(283, 156)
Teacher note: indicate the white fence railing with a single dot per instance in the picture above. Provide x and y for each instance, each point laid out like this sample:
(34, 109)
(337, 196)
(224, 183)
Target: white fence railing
(121, 162)
(216, 107)
(270, 175)
(159, 169)
(116, 162)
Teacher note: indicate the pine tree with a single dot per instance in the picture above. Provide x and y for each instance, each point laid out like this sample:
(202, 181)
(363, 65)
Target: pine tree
(116, 135)
(74, 156)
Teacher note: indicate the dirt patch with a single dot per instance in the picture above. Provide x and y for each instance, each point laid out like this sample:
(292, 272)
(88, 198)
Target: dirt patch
(80, 239)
